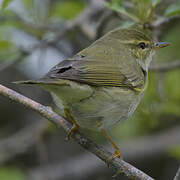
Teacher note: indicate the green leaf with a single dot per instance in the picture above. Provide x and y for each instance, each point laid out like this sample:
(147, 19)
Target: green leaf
(117, 5)
(175, 152)
(5, 3)
(10, 173)
(5, 44)
(173, 9)
(27, 3)
(67, 9)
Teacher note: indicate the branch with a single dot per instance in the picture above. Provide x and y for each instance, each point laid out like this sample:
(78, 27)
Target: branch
(136, 149)
(165, 21)
(166, 67)
(103, 23)
(162, 25)
(177, 177)
(119, 166)
(84, 17)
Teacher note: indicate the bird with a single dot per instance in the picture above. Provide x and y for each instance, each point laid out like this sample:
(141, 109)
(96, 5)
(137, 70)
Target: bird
(103, 84)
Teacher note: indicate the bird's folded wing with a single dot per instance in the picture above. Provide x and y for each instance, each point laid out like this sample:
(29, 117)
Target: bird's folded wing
(96, 73)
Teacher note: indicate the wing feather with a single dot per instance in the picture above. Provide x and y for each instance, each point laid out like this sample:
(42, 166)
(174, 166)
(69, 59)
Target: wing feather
(96, 73)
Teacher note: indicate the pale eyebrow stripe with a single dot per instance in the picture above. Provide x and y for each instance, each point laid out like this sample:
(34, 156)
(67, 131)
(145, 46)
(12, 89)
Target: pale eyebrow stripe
(133, 41)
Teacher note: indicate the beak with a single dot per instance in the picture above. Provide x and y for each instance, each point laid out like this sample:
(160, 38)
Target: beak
(161, 45)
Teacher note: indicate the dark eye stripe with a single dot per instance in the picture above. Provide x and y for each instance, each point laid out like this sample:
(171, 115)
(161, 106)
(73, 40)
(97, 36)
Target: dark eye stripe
(142, 45)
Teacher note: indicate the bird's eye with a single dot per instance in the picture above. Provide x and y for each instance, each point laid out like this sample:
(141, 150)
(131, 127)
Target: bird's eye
(142, 45)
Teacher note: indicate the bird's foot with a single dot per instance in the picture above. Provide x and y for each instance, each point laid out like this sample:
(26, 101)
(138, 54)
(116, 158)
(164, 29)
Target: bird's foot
(74, 128)
(116, 154)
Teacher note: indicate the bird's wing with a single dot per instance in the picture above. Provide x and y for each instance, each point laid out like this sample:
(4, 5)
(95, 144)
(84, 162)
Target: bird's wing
(96, 73)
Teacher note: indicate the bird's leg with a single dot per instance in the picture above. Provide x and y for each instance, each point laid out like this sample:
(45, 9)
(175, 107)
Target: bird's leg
(116, 153)
(75, 126)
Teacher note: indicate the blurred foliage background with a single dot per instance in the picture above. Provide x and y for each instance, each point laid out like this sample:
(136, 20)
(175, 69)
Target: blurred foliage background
(37, 34)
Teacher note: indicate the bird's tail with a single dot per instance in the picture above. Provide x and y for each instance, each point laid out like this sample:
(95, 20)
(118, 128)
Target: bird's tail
(30, 82)
(45, 82)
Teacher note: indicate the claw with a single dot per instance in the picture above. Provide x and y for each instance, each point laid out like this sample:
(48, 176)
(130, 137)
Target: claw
(71, 131)
(75, 126)
(116, 154)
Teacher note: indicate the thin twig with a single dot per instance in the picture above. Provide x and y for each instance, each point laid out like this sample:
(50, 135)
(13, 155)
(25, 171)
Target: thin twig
(103, 23)
(177, 177)
(166, 67)
(119, 166)
(165, 21)
(162, 25)
(84, 17)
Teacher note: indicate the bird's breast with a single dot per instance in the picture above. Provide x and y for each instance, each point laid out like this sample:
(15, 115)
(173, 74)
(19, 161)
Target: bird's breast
(106, 106)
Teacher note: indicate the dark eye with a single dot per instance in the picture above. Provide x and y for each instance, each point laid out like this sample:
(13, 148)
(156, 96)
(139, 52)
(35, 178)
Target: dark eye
(142, 45)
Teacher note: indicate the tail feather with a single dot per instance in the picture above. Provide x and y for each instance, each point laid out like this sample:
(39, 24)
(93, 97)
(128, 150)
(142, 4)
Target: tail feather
(45, 82)
(29, 82)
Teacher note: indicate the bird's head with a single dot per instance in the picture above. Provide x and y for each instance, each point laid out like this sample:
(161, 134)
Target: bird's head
(139, 44)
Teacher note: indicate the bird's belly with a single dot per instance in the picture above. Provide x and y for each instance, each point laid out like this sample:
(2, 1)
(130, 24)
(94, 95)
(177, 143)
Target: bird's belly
(105, 107)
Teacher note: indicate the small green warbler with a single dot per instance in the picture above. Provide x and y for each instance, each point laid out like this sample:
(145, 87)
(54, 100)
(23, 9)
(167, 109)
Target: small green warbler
(103, 84)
